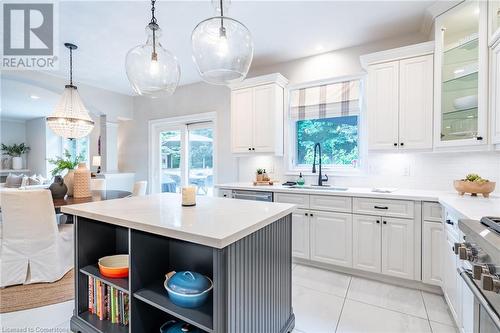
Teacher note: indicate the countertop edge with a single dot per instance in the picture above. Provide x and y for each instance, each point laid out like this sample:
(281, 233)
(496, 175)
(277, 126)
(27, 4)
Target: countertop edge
(218, 243)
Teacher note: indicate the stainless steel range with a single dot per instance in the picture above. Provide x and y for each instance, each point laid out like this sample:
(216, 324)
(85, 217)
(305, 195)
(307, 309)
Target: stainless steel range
(481, 270)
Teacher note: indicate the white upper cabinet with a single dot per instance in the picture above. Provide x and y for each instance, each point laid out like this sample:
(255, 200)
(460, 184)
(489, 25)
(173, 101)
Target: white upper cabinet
(461, 76)
(400, 97)
(415, 102)
(495, 94)
(494, 21)
(257, 109)
(382, 105)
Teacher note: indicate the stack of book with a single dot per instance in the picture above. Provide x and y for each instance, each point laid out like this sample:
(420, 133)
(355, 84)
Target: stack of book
(107, 302)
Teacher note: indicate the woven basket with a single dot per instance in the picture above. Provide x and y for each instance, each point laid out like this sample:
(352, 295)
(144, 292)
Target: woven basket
(81, 182)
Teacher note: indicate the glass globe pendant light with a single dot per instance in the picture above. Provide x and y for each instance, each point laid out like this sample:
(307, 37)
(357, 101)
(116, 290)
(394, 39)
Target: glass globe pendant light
(70, 118)
(222, 49)
(151, 69)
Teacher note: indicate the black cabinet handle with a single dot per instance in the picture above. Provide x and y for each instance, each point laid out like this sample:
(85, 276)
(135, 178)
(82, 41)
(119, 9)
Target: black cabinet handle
(450, 222)
(380, 207)
(249, 148)
(311, 214)
(253, 148)
(378, 221)
(307, 214)
(479, 138)
(402, 143)
(395, 144)
(385, 222)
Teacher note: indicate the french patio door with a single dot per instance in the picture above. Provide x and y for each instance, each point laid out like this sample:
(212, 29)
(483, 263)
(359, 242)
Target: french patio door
(183, 154)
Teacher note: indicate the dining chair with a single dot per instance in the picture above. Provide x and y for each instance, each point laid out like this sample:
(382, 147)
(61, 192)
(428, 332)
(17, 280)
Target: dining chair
(97, 184)
(140, 188)
(34, 248)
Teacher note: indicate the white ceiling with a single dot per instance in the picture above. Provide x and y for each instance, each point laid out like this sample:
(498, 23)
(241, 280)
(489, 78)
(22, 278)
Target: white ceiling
(282, 30)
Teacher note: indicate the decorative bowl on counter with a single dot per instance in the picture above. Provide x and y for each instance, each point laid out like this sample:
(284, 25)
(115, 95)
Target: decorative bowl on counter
(188, 289)
(173, 326)
(114, 266)
(474, 188)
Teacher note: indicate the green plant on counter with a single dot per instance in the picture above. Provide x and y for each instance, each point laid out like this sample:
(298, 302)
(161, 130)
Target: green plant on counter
(15, 150)
(260, 171)
(473, 177)
(65, 163)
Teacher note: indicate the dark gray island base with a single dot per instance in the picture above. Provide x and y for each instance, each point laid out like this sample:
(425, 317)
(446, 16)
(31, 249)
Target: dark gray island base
(252, 279)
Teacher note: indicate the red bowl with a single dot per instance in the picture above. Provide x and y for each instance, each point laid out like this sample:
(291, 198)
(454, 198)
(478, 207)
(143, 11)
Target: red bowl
(114, 266)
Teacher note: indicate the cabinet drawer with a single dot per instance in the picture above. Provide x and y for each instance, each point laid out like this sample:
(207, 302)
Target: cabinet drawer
(331, 203)
(301, 200)
(383, 207)
(432, 211)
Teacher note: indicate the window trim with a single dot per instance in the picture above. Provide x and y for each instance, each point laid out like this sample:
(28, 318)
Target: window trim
(290, 131)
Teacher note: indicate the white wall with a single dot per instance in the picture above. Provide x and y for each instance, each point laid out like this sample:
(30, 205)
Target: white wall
(189, 99)
(12, 131)
(36, 131)
(423, 171)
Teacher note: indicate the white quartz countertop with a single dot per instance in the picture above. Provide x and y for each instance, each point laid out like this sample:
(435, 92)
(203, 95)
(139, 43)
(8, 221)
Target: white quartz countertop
(464, 207)
(472, 208)
(401, 194)
(214, 222)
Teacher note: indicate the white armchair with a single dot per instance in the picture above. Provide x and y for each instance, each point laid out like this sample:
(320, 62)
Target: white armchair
(34, 248)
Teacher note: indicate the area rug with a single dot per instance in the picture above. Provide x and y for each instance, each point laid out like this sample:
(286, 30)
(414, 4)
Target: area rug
(30, 296)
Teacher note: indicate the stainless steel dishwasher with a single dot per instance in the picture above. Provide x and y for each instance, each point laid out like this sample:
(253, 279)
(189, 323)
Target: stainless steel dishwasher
(252, 195)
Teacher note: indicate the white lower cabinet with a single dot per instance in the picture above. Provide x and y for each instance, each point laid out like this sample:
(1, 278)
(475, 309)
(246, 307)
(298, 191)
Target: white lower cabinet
(467, 309)
(432, 240)
(300, 234)
(384, 245)
(451, 279)
(397, 247)
(331, 235)
(366, 235)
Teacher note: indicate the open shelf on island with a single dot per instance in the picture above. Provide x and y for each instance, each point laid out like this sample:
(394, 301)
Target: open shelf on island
(156, 295)
(104, 326)
(93, 270)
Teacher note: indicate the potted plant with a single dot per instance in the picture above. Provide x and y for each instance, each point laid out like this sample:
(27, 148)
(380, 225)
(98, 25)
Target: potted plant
(15, 151)
(260, 174)
(66, 163)
(474, 184)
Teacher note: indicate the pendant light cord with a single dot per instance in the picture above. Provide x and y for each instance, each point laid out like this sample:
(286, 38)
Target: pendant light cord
(70, 66)
(222, 32)
(154, 27)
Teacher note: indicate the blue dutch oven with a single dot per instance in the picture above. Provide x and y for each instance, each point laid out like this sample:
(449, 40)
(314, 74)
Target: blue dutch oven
(173, 326)
(188, 289)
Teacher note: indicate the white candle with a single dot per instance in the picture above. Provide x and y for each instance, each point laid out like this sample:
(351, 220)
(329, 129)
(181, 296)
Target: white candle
(189, 196)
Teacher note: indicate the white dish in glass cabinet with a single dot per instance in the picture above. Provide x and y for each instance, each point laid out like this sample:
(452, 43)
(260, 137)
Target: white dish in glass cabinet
(461, 76)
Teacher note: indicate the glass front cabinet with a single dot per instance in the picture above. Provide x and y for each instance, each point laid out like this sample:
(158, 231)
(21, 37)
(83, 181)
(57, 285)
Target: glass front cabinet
(461, 76)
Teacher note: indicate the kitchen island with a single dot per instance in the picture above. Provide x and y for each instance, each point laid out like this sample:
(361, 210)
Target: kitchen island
(243, 246)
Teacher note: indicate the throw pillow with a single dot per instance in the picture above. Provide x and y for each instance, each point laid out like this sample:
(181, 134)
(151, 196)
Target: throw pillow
(34, 180)
(14, 181)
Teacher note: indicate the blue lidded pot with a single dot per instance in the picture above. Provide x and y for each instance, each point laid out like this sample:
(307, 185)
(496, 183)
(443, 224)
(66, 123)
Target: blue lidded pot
(188, 289)
(173, 326)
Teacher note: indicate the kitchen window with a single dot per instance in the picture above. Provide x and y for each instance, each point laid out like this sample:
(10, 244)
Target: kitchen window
(77, 147)
(327, 113)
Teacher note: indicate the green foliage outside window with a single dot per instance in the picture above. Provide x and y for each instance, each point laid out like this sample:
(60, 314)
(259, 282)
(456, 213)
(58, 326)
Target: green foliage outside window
(338, 137)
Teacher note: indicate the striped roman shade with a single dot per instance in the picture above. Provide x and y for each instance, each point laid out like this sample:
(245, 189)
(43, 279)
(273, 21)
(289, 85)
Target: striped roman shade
(325, 101)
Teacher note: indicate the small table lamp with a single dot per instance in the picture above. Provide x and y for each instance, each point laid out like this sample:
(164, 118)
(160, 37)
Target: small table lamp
(96, 161)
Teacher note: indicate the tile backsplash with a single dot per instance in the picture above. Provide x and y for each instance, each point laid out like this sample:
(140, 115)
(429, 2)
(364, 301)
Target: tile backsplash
(428, 171)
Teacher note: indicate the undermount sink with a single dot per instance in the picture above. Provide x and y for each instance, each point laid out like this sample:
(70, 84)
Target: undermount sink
(316, 187)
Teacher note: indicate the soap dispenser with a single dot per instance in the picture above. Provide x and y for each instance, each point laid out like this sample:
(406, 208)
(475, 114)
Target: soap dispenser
(300, 180)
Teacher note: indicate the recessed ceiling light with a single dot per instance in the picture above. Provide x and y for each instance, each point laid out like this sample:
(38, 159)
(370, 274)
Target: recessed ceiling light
(34, 97)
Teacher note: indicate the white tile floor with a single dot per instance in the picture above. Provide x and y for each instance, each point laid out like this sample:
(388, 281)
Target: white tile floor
(323, 302)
